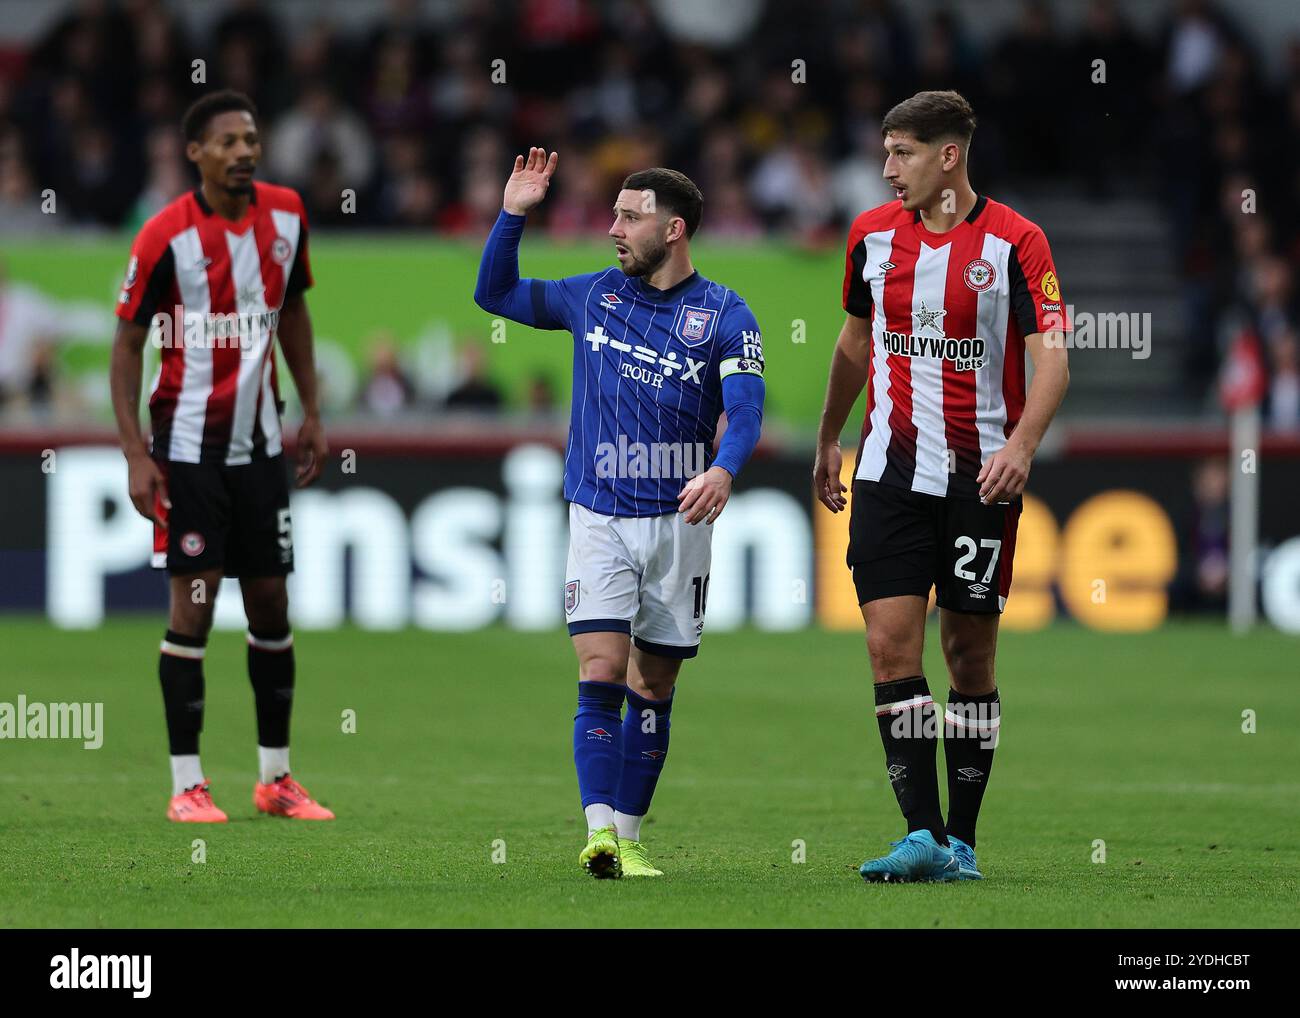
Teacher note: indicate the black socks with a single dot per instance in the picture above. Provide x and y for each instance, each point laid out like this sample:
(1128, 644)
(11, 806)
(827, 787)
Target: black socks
(908, 728)
(180, 670)
(271, 671)
(969, 736)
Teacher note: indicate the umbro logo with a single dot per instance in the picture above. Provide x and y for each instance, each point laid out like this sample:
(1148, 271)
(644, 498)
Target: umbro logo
(895, 771)
(611, 298)
(598, 735)
(652, 754)
(978, 588)
(886, 266)
(970, 773)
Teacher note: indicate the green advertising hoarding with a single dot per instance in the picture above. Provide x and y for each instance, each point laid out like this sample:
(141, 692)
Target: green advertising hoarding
(419, 293)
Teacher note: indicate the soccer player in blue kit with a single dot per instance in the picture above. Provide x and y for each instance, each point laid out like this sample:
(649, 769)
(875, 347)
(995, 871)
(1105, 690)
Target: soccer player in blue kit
(658, 353)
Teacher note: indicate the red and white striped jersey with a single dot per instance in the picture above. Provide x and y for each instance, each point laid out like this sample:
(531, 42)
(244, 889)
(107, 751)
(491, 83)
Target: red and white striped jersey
(216, 288)
(949, 315)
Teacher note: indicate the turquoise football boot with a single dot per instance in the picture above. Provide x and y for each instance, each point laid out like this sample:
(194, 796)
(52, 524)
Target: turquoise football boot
(966, 866)
(918, 857)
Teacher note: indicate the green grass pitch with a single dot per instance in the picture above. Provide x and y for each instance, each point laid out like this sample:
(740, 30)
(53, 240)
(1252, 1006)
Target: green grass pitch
(464, 740)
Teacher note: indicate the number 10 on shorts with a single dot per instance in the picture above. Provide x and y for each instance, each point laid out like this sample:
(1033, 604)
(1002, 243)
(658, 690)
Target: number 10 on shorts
(700, 584)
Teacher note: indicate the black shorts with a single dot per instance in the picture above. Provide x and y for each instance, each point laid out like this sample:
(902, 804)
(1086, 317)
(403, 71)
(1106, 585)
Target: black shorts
(905, 542)
(233, 518)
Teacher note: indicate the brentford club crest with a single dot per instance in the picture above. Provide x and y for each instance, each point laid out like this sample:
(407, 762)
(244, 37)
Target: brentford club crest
(979, 275)
(281, 250)
(192, 543)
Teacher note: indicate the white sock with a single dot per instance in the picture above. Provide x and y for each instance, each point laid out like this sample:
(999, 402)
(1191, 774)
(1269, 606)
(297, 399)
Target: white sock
(272, 763)
(186, 773)
(629, 826)
(599, 814)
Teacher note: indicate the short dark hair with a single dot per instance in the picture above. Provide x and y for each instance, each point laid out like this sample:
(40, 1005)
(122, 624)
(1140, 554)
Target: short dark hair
(674, 191)
(930, 115)
(203, 109)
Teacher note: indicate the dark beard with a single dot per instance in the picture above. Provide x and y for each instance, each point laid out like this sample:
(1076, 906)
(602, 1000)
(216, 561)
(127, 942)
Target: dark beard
(647, 264)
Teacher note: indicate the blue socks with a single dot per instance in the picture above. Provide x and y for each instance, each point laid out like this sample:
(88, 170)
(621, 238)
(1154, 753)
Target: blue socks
(619, 759)
(645, 748)
(598, 741)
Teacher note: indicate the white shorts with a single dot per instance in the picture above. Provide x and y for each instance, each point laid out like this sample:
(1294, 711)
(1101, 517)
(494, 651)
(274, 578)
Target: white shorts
(647, 576)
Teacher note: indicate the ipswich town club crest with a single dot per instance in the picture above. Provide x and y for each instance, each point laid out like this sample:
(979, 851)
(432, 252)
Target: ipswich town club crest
(570, 597)
(695, 325)
(979, 275)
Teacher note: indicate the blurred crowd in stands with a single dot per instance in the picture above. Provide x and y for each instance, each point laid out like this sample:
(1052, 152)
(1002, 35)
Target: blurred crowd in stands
(392, 390)
(773, 107)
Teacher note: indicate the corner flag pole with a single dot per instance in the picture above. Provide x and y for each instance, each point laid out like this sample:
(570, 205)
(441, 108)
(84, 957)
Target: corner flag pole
(1241, 388)
(1243, 511)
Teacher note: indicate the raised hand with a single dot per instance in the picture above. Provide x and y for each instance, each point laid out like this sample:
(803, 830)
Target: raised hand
(528, 183)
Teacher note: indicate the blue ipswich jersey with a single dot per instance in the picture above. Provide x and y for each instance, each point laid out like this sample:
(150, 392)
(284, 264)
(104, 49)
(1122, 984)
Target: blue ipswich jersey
(648, 370)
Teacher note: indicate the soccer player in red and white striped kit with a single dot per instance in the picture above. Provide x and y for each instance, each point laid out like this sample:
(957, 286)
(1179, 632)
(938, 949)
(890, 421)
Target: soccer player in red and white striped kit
(945, 290)
(221, 271)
